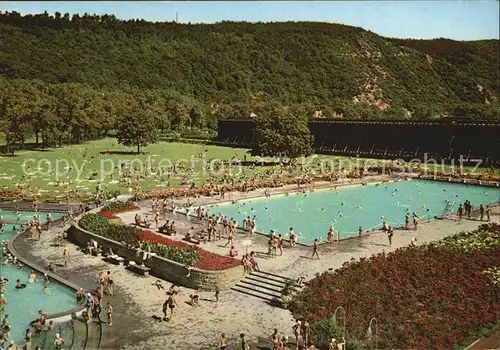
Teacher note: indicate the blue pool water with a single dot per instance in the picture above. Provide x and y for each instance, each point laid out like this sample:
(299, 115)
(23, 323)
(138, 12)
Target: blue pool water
(23, 304)
(311, 214)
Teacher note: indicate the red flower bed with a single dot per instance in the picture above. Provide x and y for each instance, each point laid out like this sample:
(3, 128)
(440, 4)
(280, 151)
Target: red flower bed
(423, 297)
(110, 214)
(209, 261)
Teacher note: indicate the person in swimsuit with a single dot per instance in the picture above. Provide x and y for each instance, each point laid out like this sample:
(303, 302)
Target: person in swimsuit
(66, 255)
(280, 244)
(315, 250)
(109, 279)
(223, 341)
(101, 281)
(32, 277)
(390, 233)
(110, 313)
(291, 234)
(172, 303)
(244, 343)
(19, 285)
(3, 302)
(58, 342)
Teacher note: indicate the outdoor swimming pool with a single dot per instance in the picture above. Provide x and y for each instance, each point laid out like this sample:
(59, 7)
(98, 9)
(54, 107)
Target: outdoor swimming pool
(311, 214)
(23, 304)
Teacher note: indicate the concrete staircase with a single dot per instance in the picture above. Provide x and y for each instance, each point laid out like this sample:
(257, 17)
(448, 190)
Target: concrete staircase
(263, 285)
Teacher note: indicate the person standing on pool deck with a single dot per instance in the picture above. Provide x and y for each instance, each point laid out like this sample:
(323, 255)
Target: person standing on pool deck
(109, 279)
(390, 233)
(315, 250)
(407, 221)
(488, 213)
(280, 244)
(291, 235)
(66, 255)
(460, 211)
(415, 221)
(481, 211)
(110, 314)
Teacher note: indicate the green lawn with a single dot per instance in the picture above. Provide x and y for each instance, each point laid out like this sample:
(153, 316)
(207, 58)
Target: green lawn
(45, 168)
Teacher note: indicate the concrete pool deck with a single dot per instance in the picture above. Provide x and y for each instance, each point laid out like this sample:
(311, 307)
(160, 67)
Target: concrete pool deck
(137, 300)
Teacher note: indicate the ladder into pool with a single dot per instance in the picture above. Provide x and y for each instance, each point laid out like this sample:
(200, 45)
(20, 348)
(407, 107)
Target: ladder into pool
(448, 209)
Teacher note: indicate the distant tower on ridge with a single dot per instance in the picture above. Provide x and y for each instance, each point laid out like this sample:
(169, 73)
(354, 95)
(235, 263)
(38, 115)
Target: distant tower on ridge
(177, 17)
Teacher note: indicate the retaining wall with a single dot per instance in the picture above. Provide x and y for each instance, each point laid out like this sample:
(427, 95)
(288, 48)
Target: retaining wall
(163, 268)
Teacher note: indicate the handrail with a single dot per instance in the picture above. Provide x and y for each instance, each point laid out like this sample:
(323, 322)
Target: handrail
(100, 331)
(73, 330)
(86, 333)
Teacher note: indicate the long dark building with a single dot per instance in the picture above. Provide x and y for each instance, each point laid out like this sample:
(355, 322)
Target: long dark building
(444, 139)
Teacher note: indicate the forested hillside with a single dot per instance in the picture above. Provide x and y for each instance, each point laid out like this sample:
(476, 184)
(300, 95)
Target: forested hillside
(196, 73)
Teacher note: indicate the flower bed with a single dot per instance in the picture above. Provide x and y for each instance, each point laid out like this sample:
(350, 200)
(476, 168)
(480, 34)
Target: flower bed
(205, 260)
(113, 208)
(425, 297)
(177, 251)
(119, 206)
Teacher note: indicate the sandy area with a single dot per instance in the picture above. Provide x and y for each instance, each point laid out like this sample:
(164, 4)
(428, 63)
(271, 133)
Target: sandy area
(198, 328)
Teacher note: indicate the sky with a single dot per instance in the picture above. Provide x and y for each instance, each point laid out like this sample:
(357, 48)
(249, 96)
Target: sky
(459, 20)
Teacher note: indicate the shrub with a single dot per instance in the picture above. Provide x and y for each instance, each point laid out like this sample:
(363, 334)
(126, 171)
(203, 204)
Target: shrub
(119, 206)
(323, 330)
(487, 236)
(122, 233)
(425, 297)
(94, 223)
(207, 260)
(182, 256)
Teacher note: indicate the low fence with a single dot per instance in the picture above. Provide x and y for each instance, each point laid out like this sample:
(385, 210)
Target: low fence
(168, 270)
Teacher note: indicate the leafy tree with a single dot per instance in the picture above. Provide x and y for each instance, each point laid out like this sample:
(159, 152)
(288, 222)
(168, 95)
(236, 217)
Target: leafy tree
(282, 130)
(19, 101)
(137, 126)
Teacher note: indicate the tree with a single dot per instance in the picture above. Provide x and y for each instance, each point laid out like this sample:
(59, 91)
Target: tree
(137, 126)
(18, 102)
(282, 130)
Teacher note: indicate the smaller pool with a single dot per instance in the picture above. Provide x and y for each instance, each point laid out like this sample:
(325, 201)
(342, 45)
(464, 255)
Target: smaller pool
(23, 304)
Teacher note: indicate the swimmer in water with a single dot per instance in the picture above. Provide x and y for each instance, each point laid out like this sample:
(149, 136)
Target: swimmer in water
(340, 214)
(19, 285)
(32, 277)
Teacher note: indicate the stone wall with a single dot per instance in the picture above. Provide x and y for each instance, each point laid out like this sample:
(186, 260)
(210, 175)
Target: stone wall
(163, 268)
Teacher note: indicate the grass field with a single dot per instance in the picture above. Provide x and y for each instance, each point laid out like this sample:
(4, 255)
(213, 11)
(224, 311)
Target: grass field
(83, 167)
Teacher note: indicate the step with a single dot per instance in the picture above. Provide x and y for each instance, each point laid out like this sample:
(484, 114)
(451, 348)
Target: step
(94, 335)
(49, 339)
(267, 278)
(252, 283)
(270, 275)
(38, 341)
(80, 335)
(66, 332)
(263, 282)
(253, 293)
(258, 289)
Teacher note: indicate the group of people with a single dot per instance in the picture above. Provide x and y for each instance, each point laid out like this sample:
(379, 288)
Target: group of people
(465, 210)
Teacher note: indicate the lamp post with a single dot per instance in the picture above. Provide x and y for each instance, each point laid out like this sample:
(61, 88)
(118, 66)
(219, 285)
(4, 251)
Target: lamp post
(369, 332)
(335, 317)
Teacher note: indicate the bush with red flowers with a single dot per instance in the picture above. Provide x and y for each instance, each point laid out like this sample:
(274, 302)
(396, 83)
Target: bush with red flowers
(206, 260)
(430, 296)
(110, 213)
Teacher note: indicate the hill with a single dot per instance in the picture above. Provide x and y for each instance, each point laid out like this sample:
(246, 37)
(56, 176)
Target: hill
(337, 69)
